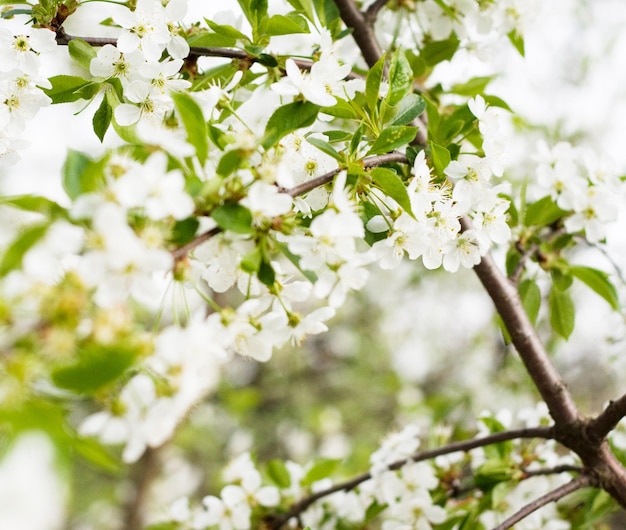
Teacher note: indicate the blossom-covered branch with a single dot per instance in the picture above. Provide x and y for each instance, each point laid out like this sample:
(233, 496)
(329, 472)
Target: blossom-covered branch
(463, 446)
(578, 483)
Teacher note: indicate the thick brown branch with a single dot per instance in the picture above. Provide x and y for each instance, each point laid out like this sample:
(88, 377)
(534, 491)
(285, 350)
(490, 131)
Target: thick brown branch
(524, 337)
(464, 446)
(608, 419)
(362, 31)
(578, 483)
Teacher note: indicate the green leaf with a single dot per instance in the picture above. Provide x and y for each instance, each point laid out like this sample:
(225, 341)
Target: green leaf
(184, 230)
(342, 109)
(102, 118)
(493, 472)
(77, 179)
(495, 101)
(65, 88)
(530, 295)
(286, 25)
(409, 108)
(234, 217)
(325, 147)
(92, 451)
(222, 29)
(266, 273)
(598, 281)
(229, 162)
(81, 52)
(400, 79)
(373, 81)
(321, 469)
(256, 13)
(206, 39)
(438, 51)
(517, 40)
(473, 87)
(392, 185)
(441, 158)
(287, 119)
(191, 115)
(15, 252)
(562, 312)
(543, 212)
(304, 6)
(251, 262)
(278, 474)
(33, 203)
(392, 138)
(97, 366)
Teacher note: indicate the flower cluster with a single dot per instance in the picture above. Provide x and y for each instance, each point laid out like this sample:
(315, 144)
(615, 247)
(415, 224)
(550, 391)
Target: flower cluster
(581, 185)
(21, 83)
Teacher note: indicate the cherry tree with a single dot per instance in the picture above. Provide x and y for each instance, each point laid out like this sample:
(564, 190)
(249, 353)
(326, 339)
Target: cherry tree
(259, 165)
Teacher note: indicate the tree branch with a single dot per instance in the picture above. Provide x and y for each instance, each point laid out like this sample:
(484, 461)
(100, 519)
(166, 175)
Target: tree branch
(143, 474)
(372, 11)
(608, 419)
(528, 345)
(362, 31)
(300, 189)
(464, 446)
(553, 496)
(198, 51)
(363, 34)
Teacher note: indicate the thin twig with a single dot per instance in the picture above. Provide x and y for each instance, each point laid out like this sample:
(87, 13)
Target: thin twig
(143, 475)
(608, 419)
(578, 483)
(371, 13)
(467, 445)
(300, 189)
(521, 264)
(200, 51)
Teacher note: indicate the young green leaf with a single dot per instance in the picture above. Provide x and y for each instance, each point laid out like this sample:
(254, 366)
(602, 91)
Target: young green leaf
(517, 40)
(543, 212)
(473, 87)
(392, 138)
(13, 254)
(193, 119)
(278, 473)
(34, 203)
(372, 83)
(286, 25)
(287, 119)
(438, 51)
(65, 88)
(81, 52)
(321, 469)
(392, 185)
(441, 158)
(97, 366)
(102, 118)
(562, 312)
(76, 179)
(325, 147)
(409, 108)
(234, 217)
(400, 79)
(530, 296)
(598, 281)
